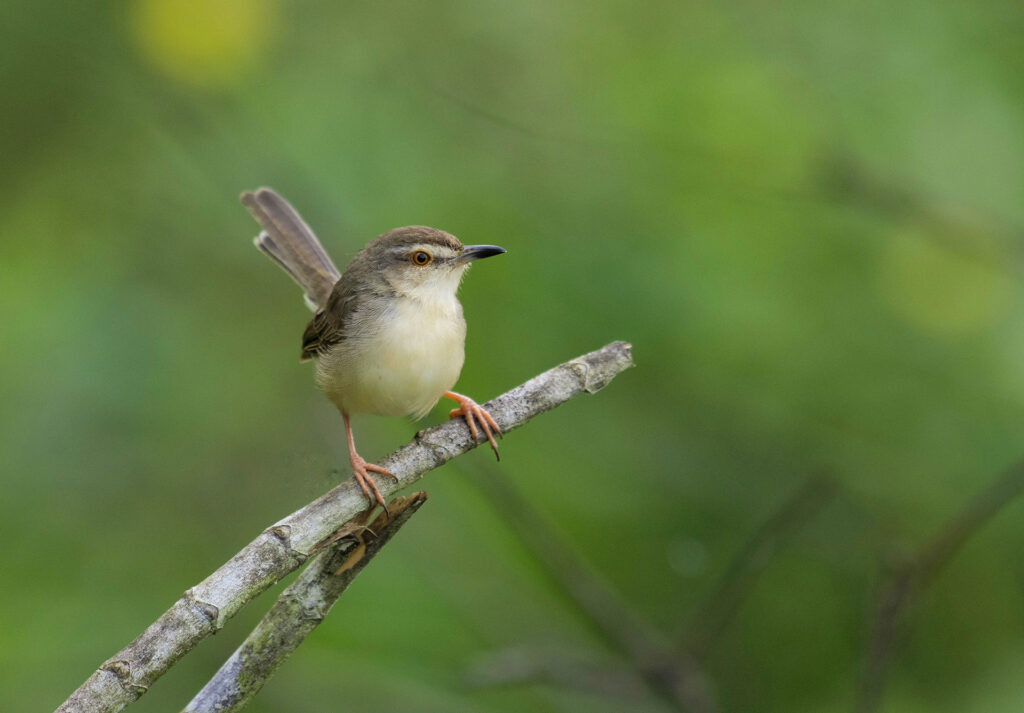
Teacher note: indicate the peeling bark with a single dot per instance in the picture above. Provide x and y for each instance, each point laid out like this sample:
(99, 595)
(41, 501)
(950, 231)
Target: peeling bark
(300, 609)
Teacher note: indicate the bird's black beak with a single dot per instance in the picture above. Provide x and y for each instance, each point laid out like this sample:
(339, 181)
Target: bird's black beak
(475, 252)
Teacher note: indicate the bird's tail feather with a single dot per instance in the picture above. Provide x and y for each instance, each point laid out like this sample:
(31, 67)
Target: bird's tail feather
(288, 241)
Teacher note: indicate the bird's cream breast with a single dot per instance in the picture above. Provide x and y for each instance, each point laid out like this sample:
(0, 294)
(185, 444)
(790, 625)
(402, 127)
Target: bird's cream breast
(407, 356)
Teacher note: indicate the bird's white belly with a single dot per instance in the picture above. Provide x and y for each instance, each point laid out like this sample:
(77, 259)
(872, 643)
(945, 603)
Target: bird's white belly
(402, 366)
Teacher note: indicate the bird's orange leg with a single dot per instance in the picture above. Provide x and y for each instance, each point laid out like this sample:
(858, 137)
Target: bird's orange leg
(360, 468)
(474, 412)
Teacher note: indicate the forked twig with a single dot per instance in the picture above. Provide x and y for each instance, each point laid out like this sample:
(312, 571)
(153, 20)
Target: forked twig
(301, 608)
(671, 674)
(280, 549)
(910, 578)
(708, 622)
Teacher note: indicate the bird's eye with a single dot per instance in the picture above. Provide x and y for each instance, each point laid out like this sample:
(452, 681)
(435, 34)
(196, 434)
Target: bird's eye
(421, 258)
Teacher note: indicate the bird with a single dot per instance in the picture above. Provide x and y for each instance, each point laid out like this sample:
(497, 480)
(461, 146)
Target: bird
(388, 335)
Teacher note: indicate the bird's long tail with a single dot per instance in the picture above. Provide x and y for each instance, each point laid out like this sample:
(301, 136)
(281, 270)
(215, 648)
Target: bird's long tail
(288, 241)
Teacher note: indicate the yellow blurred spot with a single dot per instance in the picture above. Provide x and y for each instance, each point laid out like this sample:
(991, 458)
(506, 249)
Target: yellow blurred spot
(943, 288)
(202, 42)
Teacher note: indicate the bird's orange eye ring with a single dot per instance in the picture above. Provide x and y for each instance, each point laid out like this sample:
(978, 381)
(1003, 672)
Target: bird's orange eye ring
(421, 258)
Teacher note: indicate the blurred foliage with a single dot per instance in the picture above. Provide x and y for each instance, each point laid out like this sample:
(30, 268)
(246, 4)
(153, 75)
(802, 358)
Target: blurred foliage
(806, 217)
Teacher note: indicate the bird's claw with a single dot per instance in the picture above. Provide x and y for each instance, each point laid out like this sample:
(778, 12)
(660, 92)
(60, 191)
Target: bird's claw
(475, 413)
(361, 472)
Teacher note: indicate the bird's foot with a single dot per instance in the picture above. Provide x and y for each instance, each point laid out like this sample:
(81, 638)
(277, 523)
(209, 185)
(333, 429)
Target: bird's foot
(361, 472)
(475, 413)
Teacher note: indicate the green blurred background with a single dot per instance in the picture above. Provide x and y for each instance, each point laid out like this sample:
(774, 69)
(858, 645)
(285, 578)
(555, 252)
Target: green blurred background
(806, 217)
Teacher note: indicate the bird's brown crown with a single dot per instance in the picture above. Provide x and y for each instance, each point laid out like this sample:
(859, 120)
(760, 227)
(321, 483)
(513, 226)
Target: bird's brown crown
(415, 235)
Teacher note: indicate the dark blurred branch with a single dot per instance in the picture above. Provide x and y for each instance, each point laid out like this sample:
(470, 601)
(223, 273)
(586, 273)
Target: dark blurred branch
(487, 113)
(913, 575)
(519, 665)
(301, 608)
(965, 230)
(673, 675)
(279, 550)
(710, 620)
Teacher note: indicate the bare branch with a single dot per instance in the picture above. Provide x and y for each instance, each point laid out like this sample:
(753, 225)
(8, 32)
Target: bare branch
(280, 549)
(913, 575)
(300, 609)
(673, 675)
(709, 620)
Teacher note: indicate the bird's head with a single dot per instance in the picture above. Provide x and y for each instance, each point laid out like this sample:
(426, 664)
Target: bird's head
(422, 262)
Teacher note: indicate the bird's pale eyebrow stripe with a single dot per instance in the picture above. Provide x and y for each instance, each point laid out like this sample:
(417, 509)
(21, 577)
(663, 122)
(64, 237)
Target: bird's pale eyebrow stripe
(435, 250)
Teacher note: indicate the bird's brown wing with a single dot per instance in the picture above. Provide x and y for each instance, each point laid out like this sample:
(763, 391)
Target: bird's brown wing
(319, 336)
(328, 326)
